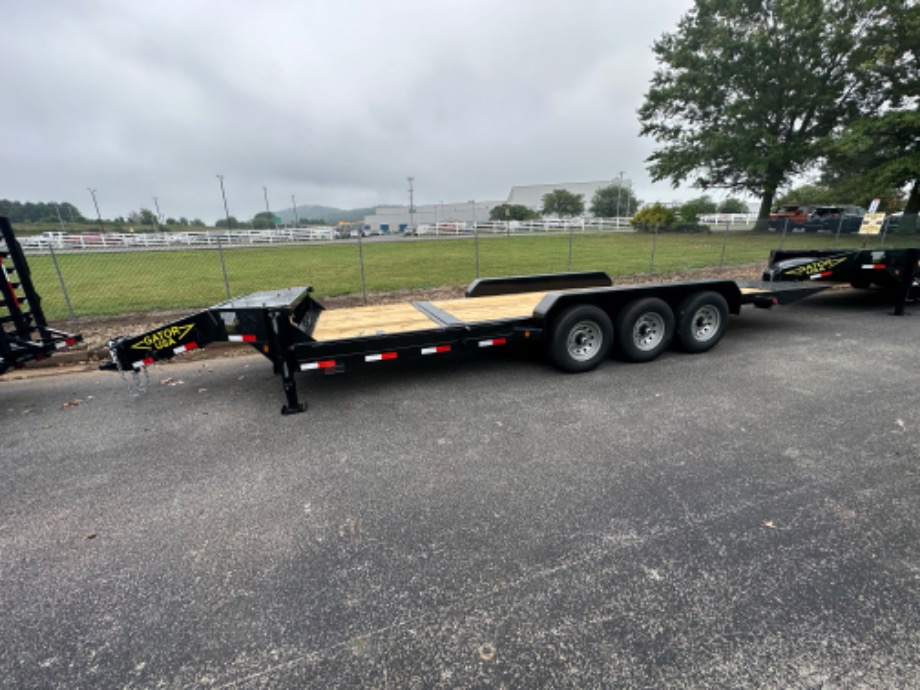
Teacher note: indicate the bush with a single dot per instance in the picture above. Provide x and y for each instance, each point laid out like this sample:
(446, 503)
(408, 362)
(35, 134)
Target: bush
(658, 218)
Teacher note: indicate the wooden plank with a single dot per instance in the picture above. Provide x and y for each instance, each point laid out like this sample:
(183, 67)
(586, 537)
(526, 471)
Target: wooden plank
(361, 322)
(495, 308)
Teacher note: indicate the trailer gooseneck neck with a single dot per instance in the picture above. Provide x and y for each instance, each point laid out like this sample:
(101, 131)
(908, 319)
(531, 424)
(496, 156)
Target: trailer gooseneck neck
(580, 316)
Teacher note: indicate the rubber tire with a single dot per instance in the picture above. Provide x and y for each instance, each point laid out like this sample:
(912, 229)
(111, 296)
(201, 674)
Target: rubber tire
(690, 321)
(629, 319)
(566, 327)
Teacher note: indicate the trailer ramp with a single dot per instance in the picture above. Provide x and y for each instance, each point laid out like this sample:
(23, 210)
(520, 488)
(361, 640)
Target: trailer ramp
(24, 332)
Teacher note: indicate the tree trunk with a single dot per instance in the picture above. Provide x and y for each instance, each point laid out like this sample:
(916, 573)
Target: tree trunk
(763, 215)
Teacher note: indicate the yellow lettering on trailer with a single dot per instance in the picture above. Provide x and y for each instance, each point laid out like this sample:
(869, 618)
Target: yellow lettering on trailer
(816, 267)
(163, 338)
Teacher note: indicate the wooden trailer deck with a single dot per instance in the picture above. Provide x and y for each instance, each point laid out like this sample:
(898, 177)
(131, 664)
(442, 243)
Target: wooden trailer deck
(362, 322)
(387, 319)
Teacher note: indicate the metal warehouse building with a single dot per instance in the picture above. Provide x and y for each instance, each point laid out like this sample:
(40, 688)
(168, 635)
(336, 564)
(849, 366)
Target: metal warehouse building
(399, 218)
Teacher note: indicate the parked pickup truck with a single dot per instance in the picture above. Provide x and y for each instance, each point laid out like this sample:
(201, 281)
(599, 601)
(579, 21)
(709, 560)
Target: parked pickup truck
(790, 215)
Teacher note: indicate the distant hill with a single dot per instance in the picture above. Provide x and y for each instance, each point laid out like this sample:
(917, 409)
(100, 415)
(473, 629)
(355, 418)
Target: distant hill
(327, 214)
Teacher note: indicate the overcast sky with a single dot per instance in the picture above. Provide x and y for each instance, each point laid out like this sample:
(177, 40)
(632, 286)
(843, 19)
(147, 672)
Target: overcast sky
(335, 102)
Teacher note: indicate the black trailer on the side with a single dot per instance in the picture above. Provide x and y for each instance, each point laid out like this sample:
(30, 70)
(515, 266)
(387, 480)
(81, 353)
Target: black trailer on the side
(894, 270)
(24, 333)
(580, 316)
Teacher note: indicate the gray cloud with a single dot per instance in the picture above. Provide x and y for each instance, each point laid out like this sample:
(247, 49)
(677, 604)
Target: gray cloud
(336, 103)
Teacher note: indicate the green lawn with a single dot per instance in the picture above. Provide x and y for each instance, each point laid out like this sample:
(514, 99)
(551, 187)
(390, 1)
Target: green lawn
(106, 283)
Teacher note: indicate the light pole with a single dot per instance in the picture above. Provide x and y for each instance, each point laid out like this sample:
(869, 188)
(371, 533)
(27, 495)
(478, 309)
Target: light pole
(159, 217)
(296, 219)
(220, 248)
(619, 192)
(223, 195)
(411, 203)
(267, 209)
(95, 203)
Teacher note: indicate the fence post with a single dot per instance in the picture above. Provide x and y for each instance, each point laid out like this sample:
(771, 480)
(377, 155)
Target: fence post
(724, 242)
(73, 317)
(571, 233)
(651, 265)
(837, 236)
(223, 265)
(476, 247)
(361, 265)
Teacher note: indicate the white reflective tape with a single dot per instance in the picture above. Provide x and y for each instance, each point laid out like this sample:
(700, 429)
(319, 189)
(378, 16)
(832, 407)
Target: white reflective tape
(235, 338)
(309, 365)
(373, 358)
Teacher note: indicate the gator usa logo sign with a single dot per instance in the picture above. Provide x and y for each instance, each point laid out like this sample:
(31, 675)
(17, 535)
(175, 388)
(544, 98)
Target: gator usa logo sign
(170, 336)
(816, 267)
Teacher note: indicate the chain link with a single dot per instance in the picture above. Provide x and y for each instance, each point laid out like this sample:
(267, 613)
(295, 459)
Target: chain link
(135, 386)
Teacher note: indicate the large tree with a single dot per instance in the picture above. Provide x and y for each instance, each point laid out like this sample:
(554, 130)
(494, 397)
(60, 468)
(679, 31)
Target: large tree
(562, 202)
(747, 91)
(614, 201)
(881, 151)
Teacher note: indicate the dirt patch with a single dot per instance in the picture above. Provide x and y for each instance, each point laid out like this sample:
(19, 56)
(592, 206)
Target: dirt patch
(97, 332)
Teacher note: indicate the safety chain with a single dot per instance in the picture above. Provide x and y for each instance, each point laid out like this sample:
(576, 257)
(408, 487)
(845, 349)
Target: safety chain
(135, 386)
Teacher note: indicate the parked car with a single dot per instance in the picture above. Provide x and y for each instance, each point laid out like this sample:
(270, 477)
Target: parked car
(790, 215)
(842, 219)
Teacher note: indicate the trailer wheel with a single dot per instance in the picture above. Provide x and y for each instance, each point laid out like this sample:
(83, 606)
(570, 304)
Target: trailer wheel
(581, 339)
(702, 320)
(644, 329)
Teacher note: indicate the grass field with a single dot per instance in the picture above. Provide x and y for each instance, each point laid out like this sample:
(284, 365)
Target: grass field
(113, 283)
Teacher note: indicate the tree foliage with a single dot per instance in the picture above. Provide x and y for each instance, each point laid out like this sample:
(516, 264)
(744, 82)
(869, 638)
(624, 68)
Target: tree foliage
(653, 217)
(512, 212)
(562, 202)
(40, 212)
(690, 211)
(732, 205)
(747, 91)
(614, 201)
(230, 223)
(879, 154)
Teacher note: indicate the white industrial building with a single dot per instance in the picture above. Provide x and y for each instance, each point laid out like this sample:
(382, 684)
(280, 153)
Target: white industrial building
(399, 218)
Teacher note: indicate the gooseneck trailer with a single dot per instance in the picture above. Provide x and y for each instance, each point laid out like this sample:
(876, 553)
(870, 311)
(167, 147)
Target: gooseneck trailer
(896, 271)
(580, 317)
(24, 333)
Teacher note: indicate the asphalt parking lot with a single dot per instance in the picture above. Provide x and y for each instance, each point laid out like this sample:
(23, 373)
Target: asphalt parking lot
(744, 518)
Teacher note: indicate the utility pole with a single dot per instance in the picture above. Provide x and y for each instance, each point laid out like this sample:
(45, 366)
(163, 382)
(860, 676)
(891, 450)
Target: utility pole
(159, 216)
(220, 247)
(296, 219)
(98, 215)
(267, 209)
(619, 192)
(411, 204)
(224, 196)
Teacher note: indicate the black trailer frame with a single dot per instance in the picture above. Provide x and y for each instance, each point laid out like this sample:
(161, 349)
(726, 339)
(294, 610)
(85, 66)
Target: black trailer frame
(290, 328)
(894, 270)
(24, 332)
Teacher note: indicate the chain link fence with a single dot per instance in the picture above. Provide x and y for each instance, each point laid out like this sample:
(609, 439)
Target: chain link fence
(77, 279)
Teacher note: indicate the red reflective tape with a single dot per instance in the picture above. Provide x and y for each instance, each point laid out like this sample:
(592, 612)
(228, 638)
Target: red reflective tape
(241, 338)
(874, 267)
(436, 350)
(499, 341)
(380, 357)
(324, 364)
